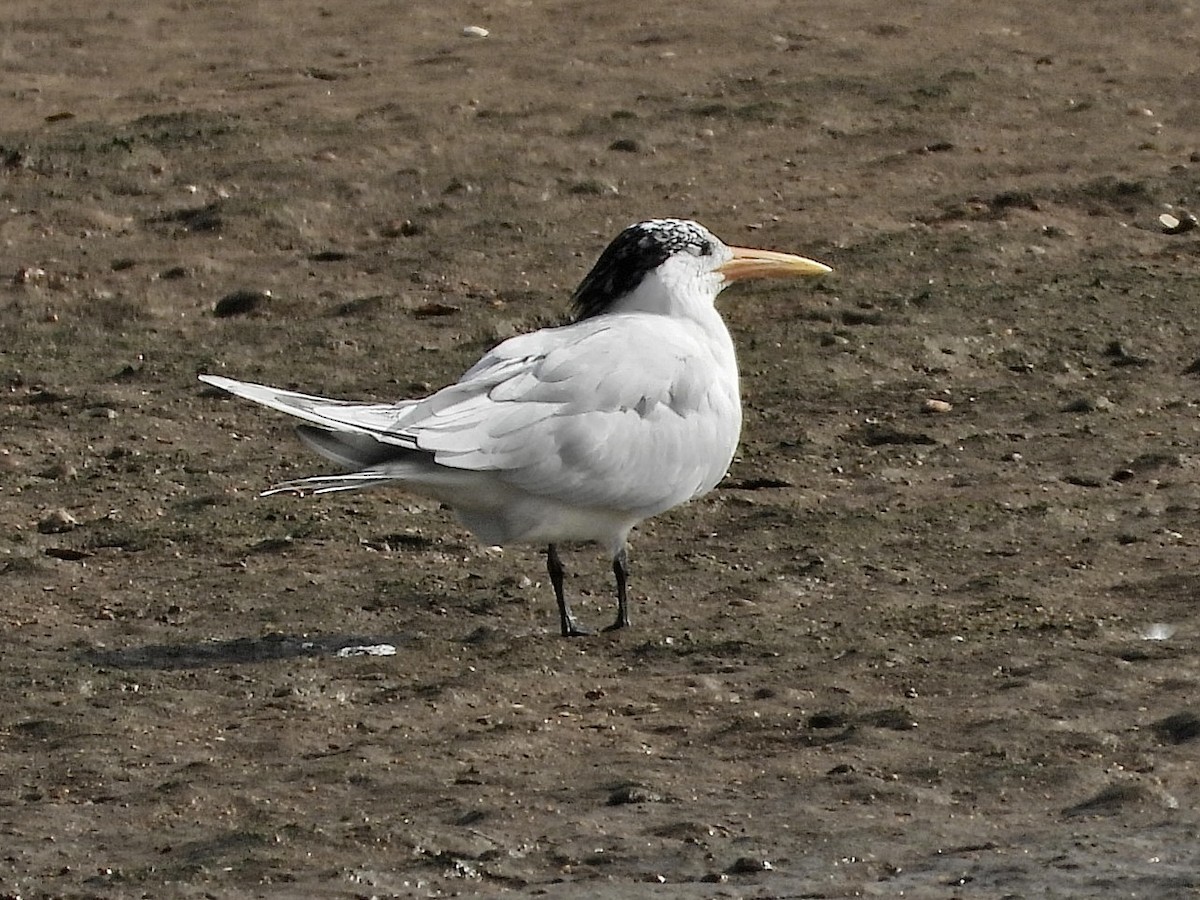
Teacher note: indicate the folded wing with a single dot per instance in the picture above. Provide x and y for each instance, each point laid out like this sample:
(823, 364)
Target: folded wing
(606, 413)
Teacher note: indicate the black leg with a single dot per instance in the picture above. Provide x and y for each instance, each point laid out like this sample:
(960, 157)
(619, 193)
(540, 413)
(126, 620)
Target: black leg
(621, 571)
(570, 627)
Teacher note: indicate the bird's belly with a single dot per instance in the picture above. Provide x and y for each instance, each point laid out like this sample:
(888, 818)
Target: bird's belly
(498, 512)
(539, 520)
(592, 476)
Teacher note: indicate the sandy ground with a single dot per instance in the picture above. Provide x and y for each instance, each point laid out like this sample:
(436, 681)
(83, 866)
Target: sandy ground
(900, 652)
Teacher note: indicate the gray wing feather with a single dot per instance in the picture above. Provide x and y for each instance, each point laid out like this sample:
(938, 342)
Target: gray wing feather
(623, 412)
(361, 418)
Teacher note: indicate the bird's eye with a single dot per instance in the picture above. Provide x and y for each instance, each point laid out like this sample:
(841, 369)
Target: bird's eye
(703, 249)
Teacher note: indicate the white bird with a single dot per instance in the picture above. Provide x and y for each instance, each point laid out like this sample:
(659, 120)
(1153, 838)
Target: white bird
(574, 433)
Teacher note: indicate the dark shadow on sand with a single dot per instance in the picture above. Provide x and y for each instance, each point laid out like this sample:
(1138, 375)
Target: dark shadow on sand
(237, 651)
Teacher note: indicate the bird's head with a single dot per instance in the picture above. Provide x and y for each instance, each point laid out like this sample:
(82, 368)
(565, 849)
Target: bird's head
(670, 265)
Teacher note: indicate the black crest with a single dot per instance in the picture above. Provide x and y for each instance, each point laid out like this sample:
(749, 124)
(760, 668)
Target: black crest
(634, 253)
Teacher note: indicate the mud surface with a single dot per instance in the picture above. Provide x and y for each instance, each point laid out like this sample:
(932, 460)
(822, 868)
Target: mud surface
(931, 650)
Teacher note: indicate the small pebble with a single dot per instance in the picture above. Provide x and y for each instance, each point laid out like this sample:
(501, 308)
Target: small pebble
(61, 472)
(240, 303)
(1121, 356)
(26, 274)
(825, 719)
(68, 554)
(633, 793)
(1180, 224)
(367, 650)
(625, 145)
(1088, 404)
(594, 188)
(474, 31)
(892, 719)
(1179, 728)
(434, 310)
(936, 406)
(831, 339)
(1112, 800)
(863, 316)
(57, 521)
(746, 865)
(401, 228)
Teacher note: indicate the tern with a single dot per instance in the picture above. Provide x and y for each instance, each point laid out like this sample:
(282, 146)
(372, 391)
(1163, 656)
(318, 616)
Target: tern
(569, 434)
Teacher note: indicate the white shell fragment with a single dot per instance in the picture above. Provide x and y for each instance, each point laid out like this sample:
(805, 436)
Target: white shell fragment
(1180, 224)
(367, 650)
(474, 31)
(1159, 631)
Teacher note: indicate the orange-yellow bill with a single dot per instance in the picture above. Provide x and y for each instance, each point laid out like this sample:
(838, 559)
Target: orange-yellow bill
(748, 263)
